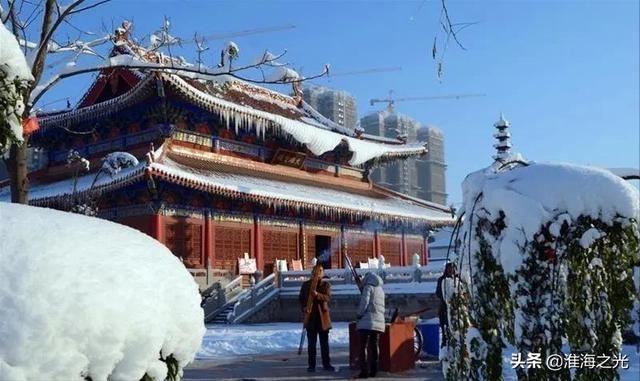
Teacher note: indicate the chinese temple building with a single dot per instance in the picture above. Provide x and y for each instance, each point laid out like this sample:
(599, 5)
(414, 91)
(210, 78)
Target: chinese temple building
(227, 168)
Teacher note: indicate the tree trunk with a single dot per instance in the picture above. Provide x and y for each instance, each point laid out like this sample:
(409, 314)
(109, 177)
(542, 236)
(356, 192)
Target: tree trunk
(17, 167)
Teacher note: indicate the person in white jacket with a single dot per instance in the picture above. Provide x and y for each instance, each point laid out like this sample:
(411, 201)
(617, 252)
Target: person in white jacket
(370, 323)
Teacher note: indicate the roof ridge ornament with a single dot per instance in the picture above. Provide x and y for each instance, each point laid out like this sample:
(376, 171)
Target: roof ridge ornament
(298, 92)
(151, 154)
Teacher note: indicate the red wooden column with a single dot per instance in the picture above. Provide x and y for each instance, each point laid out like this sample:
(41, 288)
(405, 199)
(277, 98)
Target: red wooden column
(208, 241)
(157, 227)
(425, 250)
(376, 244)
(301, 244)
(403, 249)
(257, 244)
(343, 246)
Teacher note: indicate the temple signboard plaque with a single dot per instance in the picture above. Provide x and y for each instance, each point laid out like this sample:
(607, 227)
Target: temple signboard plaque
(289, 158)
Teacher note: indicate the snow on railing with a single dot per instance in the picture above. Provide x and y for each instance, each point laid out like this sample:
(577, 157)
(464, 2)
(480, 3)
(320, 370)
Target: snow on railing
(217, 298)
(252, 299)
(396, 274)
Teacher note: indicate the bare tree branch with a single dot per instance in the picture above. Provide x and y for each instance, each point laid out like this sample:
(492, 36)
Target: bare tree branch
(6, 17)
(88, 7)
(172, 70)
(451, 31)
(47, 32)
(45, 35)
(78, 29)
(449, 26)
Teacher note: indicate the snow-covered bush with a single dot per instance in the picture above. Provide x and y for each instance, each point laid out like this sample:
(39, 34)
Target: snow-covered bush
(548, 250)
(15, 77)
(87, 299)
(114, 162)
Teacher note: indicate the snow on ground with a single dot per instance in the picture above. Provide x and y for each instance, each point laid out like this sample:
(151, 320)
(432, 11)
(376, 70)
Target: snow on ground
(80, 296)
(227, 341)
(224, 341)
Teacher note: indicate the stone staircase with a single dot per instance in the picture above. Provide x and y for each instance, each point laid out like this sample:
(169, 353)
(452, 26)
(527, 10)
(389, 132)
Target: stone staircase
(234, 304)
(219, 299)
(253, 299)
(222, 317)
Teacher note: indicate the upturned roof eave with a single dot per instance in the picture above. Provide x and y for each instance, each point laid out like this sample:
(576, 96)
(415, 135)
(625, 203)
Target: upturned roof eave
(142, 88)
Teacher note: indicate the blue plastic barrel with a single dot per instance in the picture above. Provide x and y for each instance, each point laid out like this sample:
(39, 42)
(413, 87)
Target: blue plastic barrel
(430, 337)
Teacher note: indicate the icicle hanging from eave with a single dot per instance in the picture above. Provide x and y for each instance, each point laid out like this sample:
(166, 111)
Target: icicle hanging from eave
(237, 119)
(317, 140)
(226, 117)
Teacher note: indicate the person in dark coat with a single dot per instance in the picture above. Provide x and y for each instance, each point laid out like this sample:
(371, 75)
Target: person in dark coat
(449, 272)
(319, 321)
(370, 323)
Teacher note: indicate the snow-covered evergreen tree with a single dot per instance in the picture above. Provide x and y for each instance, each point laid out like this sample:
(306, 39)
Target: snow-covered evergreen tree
(548, 251)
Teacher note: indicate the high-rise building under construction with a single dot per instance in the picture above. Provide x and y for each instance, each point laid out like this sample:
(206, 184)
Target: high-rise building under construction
(422, 177)
(337, 105)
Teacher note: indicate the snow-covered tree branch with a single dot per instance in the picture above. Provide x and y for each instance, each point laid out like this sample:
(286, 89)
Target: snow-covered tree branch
(15, 78)
(279, 75)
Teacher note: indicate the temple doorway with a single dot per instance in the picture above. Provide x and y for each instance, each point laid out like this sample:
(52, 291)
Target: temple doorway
(323, 250)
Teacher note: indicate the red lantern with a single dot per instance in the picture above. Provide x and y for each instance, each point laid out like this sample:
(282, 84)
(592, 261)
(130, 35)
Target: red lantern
(551, 255)
(30, 125)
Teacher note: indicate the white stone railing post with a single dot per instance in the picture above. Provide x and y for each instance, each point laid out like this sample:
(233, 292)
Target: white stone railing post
(417, 275)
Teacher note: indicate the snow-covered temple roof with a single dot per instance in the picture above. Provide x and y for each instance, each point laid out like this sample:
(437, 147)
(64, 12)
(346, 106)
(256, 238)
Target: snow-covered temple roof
(173, 165)
(626, 173)
(245, 106)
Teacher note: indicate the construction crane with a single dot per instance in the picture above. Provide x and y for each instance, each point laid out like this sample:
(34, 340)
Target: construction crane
(390, 101)
(347, 73)
(242, 33)
(364, 71)
(169, 40)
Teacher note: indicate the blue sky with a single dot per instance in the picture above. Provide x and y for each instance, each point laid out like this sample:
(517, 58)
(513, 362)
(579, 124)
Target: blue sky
(565, 73)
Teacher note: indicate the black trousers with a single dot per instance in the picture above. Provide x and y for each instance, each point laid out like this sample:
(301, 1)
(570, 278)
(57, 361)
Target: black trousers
(444, 327)
(369, 343)
(312, 337)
